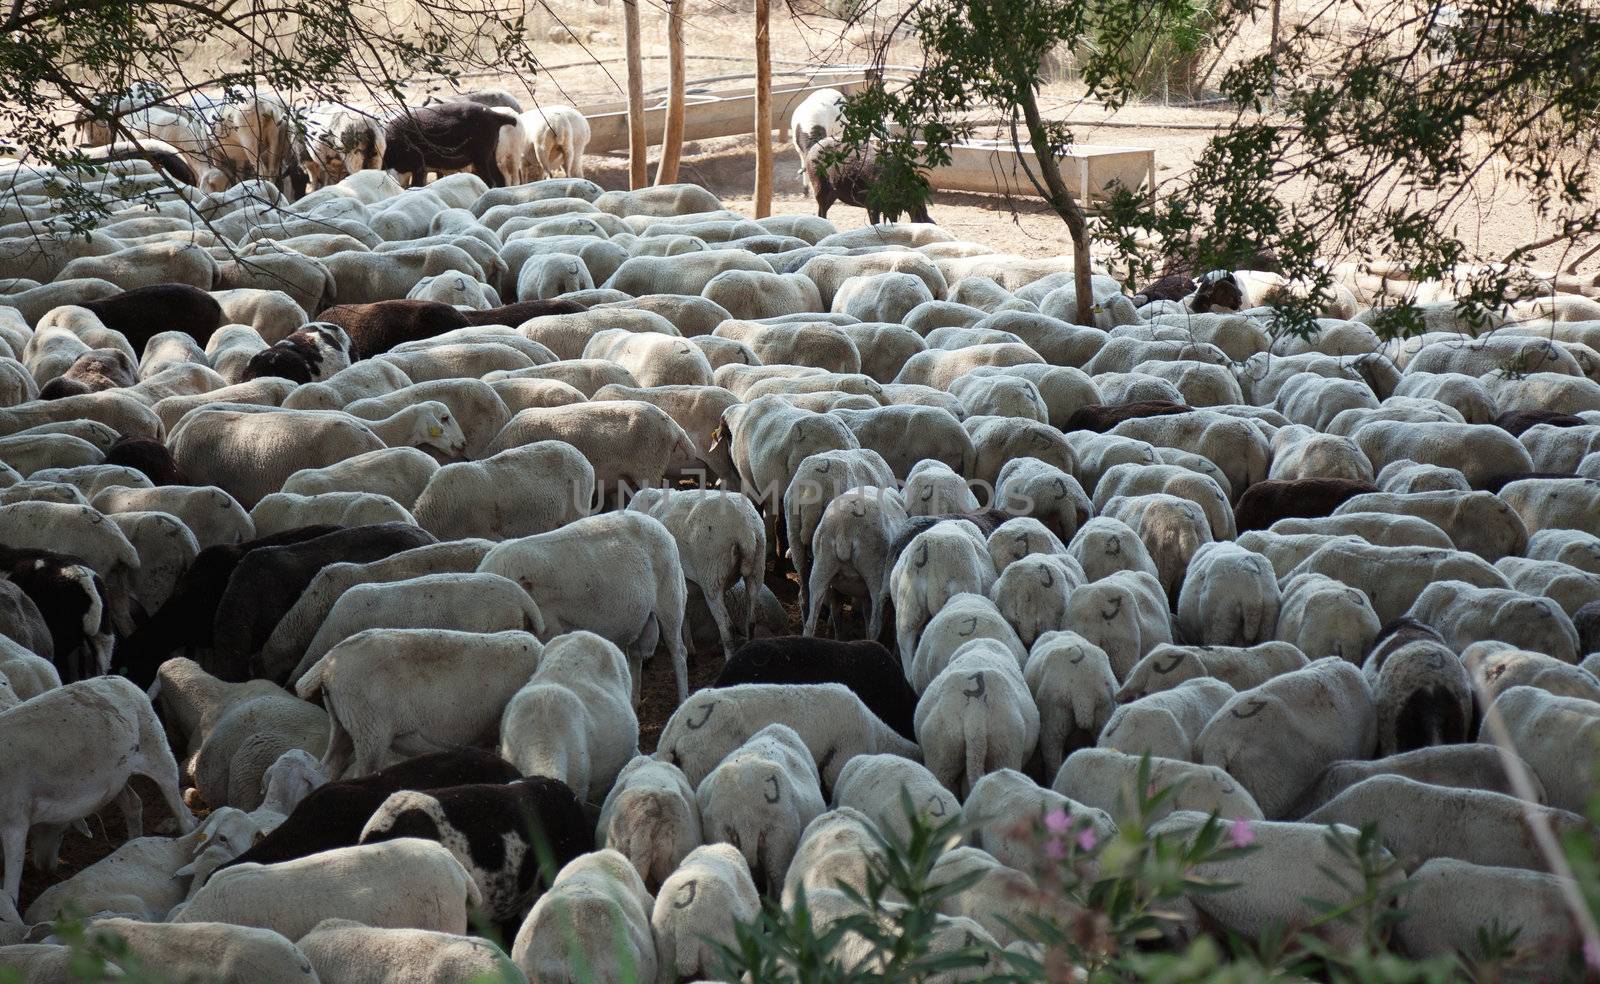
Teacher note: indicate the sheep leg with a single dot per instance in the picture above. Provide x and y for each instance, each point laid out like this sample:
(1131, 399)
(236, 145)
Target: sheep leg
(671, 623)
(14, 842)
(822, 571)
(752, 585)
(165, 776)
(369, 753)
(490, 169)
(717, 604)
(643, 648)
(340, 746)
(132, 811)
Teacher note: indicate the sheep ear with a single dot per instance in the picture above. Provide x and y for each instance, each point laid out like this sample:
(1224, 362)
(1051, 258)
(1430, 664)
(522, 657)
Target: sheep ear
(187, 871)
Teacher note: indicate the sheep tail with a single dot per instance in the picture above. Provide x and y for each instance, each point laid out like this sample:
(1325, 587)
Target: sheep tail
(975, 731)
(310, 683)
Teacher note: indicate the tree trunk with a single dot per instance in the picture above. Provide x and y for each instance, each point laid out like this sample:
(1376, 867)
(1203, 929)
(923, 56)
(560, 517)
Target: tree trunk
(763, 123)
(1062, 202)
(637, 174)
(672, 133)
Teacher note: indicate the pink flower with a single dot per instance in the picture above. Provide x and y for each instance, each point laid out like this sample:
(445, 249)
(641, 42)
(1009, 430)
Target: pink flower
(1054, 849)
(1086, 839)
(1057, 821)
(1591, 954)
(1241, 833)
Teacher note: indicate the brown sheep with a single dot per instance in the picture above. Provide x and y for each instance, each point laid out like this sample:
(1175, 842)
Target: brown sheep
(848, 181)
(1264, 503)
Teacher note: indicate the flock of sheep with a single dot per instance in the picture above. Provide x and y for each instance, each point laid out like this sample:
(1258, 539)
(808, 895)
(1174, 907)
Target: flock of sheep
(354, 517)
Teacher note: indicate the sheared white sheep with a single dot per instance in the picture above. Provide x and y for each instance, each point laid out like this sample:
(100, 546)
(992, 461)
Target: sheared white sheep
(1392, 577)
(70, 751)
(212, 515)
(596, 909)
(963, 618)
(1277, 737)
(145, 877)
(1229, 597)
(833, 722)
(760, 797)
(850, 555)
(1322, 617)
(206, 950)
(721, 540)
(1420, 692)
(283, 511)
(1203, 490)
(345, 952)
(407, 883)
(977, 715)
(461, 602)
(1418, 821)
(1555, 736)
(652, 817)
(522, 491)
(378, 696)
(1449, 901)
(617, 575)
(1167, 666)
(1295, 862)
(399, 473)
(836, 848)
(1005, 801)
(573, 719)
(1124, 614)
(939, 563)
(1109, 780)
(1034, 593)
(1463, 614)
(1104, 546)
(249, 452)
(1166, 723)
(880, 785)
(1030, 486)
(1172, 529)
(933, 488)
(300, 623)
(814, 483)
(698, 907)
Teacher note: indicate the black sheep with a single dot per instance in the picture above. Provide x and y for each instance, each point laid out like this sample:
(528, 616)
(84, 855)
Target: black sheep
(187, 619)
(1218, 290)
(447, 137)
(1173, 287)
(148, 457)
(513, 315)
(334, 813)
(1517, 421)
(267, 582)
(72, 601)
(866, 667)
(378, 327)
(850, 181)
(1264, 503)
(144, 312)
(1100, 418)
(1587, 621)
(502, 833)
(309, 354)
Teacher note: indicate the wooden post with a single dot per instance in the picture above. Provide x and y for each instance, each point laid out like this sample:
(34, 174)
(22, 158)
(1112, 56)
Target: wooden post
(763, 124)
(637, 175)
(672, 132)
